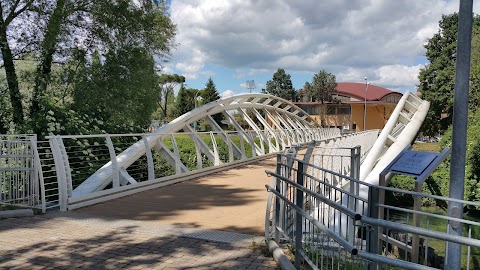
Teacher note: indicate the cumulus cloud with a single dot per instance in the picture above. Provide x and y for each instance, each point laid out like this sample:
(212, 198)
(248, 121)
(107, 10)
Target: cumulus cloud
(347, 38)
(397, 75)
(227, 93)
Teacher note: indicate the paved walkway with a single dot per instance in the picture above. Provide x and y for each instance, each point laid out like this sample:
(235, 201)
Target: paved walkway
(71, 240)
(212, 222)
(233, 200)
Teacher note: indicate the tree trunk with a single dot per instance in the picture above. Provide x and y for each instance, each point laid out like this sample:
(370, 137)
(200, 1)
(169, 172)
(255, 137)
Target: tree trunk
(44, 69)
(12, 79)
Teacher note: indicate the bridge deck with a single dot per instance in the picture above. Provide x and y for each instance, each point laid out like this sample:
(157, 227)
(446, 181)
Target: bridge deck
(232, 200)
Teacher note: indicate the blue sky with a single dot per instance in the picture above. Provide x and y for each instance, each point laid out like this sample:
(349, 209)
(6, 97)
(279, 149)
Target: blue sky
(233, 41)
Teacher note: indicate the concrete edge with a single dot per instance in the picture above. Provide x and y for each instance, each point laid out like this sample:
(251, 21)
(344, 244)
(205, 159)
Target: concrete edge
(16, 213)
(279, 257)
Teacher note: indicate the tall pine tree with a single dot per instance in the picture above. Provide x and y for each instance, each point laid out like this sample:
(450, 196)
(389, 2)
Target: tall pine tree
(183, 102)
(280, 85)
(210, 94)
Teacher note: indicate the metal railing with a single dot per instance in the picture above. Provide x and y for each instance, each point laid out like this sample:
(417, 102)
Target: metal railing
(21, 178)
(106, 161)
(331, 226)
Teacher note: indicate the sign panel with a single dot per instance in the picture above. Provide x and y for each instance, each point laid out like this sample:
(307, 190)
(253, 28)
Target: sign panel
(414, 162)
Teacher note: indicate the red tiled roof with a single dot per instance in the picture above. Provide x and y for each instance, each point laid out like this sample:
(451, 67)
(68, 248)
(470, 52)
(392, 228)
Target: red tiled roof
(357, 90)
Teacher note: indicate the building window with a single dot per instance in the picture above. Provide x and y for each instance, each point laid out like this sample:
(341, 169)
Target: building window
(331, 110)
(314, 110)
(344, 110)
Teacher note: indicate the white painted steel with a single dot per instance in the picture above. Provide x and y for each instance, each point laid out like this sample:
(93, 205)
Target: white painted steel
(412, 106)
(21, 179)
(272, 125)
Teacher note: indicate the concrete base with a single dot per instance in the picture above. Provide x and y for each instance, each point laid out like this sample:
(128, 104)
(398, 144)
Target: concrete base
(279, 257)
(16, 213)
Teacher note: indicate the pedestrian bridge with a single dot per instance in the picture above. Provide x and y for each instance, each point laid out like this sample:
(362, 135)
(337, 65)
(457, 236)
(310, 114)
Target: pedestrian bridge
(217, 180)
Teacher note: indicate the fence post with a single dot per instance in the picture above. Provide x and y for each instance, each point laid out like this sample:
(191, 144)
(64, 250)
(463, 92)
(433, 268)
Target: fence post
(38, 174)
(61, 174)
(372, 235)
(148, 153)
(298, 216)
(113, 159)
(354, 187)
(277, 200)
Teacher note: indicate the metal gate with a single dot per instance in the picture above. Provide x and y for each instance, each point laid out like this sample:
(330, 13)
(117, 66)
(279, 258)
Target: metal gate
(21, 180)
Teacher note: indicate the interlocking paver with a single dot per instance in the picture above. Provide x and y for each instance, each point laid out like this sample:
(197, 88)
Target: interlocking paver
(66, 241)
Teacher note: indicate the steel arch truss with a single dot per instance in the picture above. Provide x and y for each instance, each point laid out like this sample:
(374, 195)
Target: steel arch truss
(263, 123)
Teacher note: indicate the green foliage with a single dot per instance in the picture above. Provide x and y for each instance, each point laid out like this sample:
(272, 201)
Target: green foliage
(322, 86)
(437, 79)
(183, 102)
(54, 118)
(439, 182)
(280, 85)
(210, 94)
(127, 33)
(167, 84)
(124, 87)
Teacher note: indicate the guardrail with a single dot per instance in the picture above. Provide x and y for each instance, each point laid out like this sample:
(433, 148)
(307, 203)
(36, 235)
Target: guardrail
(80, 160)
(21, 178)
(330, 226)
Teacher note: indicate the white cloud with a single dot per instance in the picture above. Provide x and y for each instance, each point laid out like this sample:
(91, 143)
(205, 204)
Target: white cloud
(227, 93)
(347, 38)
(397, 75)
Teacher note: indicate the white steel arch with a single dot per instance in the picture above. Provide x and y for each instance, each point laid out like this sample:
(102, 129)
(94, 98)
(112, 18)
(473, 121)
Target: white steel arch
(273, 124)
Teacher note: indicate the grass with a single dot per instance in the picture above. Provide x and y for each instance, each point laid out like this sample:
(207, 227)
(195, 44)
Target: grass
(440, 225)
(426, 147)
(4, 207)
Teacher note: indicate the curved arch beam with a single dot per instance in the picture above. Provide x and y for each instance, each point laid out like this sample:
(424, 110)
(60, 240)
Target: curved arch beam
(280, 124)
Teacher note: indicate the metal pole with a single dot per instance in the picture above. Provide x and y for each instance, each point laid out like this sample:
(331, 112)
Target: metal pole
(365, 105)
(298, 216)
(459, 134)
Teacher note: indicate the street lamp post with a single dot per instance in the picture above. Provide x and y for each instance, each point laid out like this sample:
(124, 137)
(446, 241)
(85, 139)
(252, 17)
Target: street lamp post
(365, 105)
(195, 98)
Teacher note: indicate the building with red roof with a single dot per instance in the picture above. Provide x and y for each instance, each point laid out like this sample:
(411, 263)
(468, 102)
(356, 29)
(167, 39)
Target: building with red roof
(348, 107)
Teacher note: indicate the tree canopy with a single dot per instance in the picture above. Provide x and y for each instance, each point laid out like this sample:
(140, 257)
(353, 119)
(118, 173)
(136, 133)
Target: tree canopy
(80, 48)
(321, 88)
(437, 79)
(167, 84)
(184, 101)
(280, 85)
(210, 94)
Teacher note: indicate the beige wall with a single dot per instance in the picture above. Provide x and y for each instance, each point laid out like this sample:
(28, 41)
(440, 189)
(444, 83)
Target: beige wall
(377, 116)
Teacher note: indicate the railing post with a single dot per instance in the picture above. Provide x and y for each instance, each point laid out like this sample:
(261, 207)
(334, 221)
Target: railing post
(354, 186)
(298, 216)
(38, 174)
(148, 153)
(61, 175)
(372, 239)
(277, 200)
(113, 159)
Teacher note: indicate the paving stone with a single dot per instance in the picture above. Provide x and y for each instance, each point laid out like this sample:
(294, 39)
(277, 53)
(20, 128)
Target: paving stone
(67, 241)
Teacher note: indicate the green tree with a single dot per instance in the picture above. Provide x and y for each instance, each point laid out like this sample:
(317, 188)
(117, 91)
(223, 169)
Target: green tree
(437, 79)
(441, 177)
(9, 11)
(280, 85)
(103, 25)
(210, 94)
(183, 101)
(322, 86)
(167, 84)
(125, 87)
